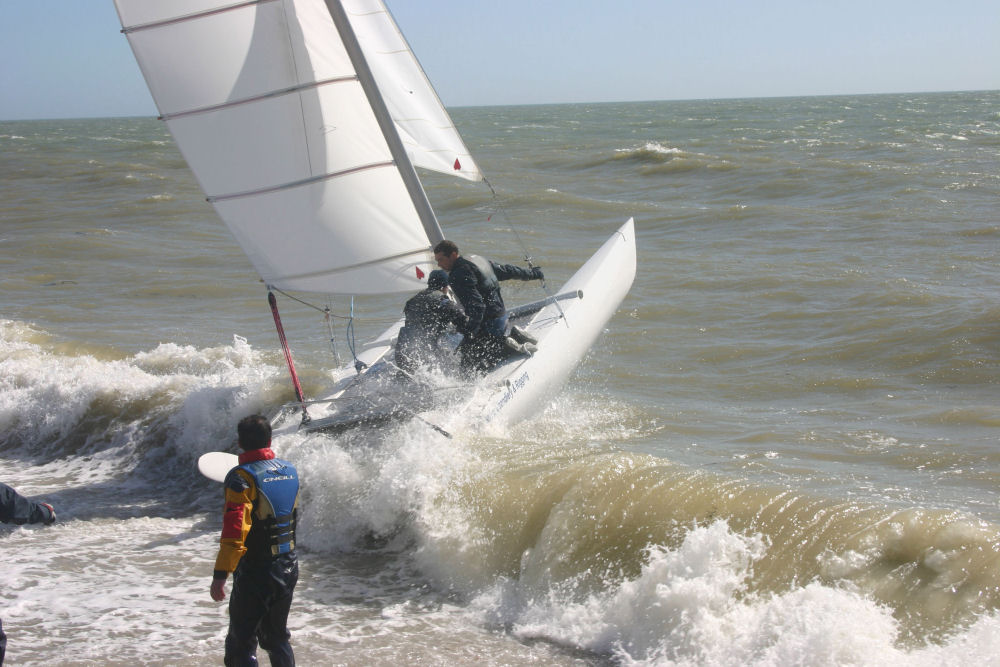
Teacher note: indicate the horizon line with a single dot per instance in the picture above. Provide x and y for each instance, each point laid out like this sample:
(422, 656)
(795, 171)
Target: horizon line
(590, 103)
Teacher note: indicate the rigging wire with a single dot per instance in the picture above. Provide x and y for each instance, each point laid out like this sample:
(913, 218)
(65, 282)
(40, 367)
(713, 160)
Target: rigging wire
(358, 364)
(307, 304)
(328, 316)
(498, 207)
(326, 309)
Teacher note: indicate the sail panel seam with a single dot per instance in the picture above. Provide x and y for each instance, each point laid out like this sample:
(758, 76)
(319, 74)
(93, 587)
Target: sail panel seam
(259, 98)
(305, 181)
(290, 19)
(192, 17)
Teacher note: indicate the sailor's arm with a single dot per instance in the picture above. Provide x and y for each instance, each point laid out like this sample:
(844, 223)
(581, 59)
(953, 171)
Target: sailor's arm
(452, 313)
(511, 272)
(237, 518)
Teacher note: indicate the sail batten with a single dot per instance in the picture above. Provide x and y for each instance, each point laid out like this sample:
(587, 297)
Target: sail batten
(191, 17)
(412, 256)
(299, 184)
(299, 135)
(258, 98)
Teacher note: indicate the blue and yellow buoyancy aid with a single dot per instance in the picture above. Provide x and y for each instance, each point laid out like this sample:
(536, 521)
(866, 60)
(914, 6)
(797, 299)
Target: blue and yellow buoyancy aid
(260, 512)
(277, 492)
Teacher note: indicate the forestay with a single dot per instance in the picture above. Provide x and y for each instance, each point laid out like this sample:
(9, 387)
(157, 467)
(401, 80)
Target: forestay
(301, 122)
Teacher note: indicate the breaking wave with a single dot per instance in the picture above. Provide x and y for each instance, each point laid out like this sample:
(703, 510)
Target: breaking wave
(555, 533)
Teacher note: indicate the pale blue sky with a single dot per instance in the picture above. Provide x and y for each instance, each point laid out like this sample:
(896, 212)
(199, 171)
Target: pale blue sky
(67, 58)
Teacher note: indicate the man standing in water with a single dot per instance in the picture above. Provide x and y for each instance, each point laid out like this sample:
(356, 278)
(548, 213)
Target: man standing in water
(476, 283)
(258, 545)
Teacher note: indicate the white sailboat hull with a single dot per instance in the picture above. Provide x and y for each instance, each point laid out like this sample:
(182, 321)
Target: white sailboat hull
(566, 327)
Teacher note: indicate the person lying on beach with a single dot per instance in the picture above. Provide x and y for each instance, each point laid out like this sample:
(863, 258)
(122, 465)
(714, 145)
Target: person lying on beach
(16, 509)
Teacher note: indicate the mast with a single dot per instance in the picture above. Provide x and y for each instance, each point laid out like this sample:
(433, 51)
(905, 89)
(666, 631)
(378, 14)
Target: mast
(385, 121)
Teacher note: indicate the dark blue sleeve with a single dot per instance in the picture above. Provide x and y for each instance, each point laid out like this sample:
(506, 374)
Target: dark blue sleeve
(511, 272)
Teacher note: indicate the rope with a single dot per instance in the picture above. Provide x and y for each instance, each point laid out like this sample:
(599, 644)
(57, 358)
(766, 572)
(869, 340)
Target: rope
(325, 309)
(328, 315)
(498, 207)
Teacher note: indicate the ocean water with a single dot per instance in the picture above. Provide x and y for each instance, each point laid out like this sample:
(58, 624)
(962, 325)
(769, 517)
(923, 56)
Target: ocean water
(783, 450)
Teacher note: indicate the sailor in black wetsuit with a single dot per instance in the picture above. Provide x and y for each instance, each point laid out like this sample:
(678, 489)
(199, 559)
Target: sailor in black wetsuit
(16, 509)
(476, 283)
(428, 315)
(258, 544)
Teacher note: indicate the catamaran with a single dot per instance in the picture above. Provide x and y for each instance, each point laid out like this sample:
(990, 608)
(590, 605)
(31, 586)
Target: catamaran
(304, 122)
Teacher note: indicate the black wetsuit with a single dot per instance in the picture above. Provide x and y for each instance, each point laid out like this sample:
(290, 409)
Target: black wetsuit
(16, 509)
(476, 283)
(258, 542)
(428, 315)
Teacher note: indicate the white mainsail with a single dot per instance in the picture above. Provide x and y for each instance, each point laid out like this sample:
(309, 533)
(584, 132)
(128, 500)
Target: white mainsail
(301, 120)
